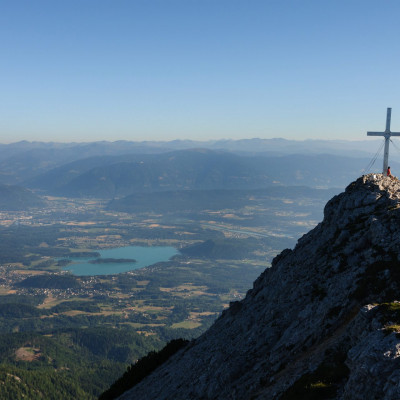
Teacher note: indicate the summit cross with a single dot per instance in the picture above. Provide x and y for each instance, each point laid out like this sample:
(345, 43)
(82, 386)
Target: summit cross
(387, 134)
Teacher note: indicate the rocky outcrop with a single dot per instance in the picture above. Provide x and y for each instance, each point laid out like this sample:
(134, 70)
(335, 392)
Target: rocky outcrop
(322, 321)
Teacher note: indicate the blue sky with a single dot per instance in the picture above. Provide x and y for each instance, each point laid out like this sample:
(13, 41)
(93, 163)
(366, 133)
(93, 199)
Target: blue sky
(92, 70)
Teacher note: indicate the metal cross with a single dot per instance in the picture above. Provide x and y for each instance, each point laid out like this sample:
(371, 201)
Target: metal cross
(387, 134)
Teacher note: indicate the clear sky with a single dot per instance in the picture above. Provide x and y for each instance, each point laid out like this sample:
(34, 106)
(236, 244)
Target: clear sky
(92, 70)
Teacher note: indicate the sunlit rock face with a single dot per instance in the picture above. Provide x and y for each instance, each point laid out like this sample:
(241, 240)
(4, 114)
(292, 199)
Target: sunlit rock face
(322, 321)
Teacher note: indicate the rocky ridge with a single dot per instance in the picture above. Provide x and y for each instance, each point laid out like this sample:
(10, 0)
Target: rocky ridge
(323, 321)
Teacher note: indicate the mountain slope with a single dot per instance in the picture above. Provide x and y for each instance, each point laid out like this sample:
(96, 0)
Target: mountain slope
(321, 323)
(195, 169)
(15, 198)
(23, 161)
(119, 176)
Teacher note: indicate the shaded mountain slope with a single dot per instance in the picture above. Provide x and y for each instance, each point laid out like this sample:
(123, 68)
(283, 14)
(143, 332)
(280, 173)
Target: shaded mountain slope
(196, 169)
(111, 176)
(58, 177)
(22, 161)
(25, 160)
(321, 323)
(15, 198)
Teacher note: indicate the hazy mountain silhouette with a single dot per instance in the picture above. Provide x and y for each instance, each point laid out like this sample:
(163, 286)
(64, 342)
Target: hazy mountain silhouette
(25, 160)
(196, 169)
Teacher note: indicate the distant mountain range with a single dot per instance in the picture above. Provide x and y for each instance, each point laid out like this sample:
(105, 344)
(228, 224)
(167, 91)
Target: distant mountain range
(25, 160)
(117, 169)
(278, 146)
(199, 169)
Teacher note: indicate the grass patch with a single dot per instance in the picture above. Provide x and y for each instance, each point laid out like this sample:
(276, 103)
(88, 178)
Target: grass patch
(186, 325)
(392, 328)
(321, 384)
(136, 324)
(390, 316)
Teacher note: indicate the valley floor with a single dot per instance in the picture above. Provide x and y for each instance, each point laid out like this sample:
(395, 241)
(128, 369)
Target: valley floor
(82, 332)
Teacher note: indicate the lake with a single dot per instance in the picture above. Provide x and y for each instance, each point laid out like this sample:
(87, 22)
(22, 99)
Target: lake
(144, 257)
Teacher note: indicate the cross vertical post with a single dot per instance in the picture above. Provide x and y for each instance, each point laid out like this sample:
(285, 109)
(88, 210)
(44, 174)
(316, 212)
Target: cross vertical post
(387, 138)
(387, 134)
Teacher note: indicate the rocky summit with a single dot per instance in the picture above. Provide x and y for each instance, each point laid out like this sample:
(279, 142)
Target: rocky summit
(322, 323)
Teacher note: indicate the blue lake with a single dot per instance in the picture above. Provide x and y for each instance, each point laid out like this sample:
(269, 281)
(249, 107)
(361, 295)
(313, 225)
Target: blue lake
(144, 257)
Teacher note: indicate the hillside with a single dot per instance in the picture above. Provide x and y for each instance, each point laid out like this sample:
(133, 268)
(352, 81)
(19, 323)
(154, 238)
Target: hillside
(196, 169)
(111, 176)
(321, 323)
(15, 198)
(25, 161)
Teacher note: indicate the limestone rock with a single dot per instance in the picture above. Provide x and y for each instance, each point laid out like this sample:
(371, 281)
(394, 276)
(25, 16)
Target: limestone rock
(322, 318)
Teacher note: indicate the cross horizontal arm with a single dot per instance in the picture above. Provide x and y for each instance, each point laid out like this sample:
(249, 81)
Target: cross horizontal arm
(376, 133)
(382, 133)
